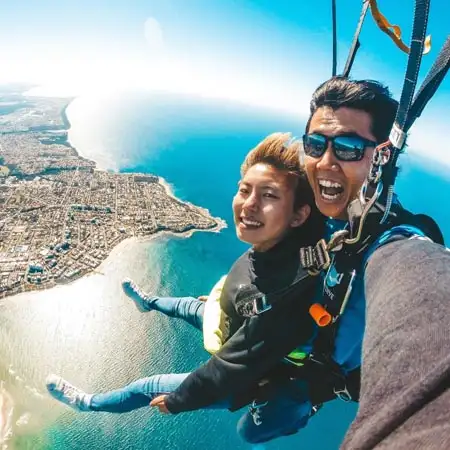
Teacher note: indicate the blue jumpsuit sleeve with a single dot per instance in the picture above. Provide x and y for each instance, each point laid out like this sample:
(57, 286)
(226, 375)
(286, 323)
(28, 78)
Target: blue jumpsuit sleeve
(348, 343)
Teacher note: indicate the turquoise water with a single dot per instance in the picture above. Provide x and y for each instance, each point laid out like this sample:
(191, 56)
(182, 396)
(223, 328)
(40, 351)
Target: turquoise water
(88, 331)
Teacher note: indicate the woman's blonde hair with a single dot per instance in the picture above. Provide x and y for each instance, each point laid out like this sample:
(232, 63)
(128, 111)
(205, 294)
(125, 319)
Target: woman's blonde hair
(282, 152)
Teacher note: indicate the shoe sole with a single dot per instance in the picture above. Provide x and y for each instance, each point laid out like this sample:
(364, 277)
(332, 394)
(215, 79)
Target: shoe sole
(131, 292)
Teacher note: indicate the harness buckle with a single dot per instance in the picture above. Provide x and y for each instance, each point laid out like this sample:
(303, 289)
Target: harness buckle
(337, 240)
(380, 158)
(260, 305)
(397, 137)
(315, 259)
(343, 394)
(255, 411)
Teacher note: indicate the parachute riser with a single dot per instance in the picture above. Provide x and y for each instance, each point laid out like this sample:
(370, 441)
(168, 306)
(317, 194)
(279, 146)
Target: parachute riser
(378, 189)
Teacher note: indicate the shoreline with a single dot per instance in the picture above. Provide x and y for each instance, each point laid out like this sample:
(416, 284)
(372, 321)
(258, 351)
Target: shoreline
(161, 234)
(168, 188)
(169, 191)
(68, 125)
(221, 223)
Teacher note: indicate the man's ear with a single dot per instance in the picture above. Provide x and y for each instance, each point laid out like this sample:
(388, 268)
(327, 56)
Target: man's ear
(300, 216)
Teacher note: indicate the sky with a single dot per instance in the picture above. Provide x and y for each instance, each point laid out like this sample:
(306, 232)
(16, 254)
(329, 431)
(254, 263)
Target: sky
(261, 52)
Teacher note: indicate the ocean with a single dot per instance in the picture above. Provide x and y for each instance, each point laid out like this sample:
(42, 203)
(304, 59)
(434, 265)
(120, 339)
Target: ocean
(89, 332)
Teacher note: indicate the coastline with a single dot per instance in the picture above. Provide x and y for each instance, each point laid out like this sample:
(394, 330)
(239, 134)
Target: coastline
(127, 240)
(162, 232)
(221, 223)
(169, 189)
(68, 125)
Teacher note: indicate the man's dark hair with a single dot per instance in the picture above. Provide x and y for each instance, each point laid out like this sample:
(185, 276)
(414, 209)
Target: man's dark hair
(366, 95)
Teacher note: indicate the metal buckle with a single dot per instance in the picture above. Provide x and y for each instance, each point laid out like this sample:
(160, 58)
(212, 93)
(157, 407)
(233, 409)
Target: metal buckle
(315, 259)
(255, 411)
(380, 158)
(260, 305)
(322, 254)
(256, 405)
(337, 240)
(343, 394)
(397, 137)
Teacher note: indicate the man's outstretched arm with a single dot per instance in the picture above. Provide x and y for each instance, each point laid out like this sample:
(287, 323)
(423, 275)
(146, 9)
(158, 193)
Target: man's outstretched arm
(405, 394)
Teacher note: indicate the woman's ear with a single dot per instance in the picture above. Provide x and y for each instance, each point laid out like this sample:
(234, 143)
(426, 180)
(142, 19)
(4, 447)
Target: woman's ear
(300, 216)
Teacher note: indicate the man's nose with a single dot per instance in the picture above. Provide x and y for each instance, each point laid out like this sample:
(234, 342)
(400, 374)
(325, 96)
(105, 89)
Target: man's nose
(328, 161)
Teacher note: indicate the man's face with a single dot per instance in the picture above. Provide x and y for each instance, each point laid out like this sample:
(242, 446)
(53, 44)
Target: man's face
(347, 176)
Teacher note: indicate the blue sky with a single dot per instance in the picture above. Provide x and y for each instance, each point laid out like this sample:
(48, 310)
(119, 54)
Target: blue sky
(260, 51)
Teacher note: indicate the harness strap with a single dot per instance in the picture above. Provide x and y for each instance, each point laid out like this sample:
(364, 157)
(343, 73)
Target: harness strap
(430, 84)
(355, 44)
(383, 172)
(250, 301)
(333, 15)
(398, 134)
(326, 380)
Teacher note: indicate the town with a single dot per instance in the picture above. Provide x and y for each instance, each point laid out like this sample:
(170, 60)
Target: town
(59, 216)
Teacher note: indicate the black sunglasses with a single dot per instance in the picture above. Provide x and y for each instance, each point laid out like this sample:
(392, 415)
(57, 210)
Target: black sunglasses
(345, 148)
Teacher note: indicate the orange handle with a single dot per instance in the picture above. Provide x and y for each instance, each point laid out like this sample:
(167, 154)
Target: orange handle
(320, 315)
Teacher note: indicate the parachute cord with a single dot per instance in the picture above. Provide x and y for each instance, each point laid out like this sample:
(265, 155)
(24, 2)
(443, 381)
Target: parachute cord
(333, 10)
(389, 199)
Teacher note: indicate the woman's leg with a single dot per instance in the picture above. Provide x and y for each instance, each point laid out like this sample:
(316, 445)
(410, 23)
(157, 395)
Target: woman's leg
(135, 395)
(189, 309)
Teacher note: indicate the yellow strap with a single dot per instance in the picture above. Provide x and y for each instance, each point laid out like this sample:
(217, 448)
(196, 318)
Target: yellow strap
(394, 31)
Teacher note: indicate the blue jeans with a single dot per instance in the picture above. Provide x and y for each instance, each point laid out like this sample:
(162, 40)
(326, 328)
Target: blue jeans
(189, 309)
(284, 414)
(138, 394)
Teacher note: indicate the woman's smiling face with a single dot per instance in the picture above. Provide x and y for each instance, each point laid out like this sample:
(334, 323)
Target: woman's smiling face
(263, 207)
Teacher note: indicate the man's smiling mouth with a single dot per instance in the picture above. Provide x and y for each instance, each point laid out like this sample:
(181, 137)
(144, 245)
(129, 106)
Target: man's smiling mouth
(330, 190)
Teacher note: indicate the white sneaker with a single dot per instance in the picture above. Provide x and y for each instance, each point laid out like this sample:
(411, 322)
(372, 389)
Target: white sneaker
(139, 297)
(68, 394)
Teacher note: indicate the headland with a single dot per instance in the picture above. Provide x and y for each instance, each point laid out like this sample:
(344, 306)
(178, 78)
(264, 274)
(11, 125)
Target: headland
(60, 216)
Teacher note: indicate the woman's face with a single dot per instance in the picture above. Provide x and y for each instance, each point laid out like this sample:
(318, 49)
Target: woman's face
(263, 206)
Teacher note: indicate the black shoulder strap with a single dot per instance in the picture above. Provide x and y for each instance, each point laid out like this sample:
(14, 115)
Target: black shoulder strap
(334, 21)
(430, 84)
(355, 44)
(250, 301)
(398, 134)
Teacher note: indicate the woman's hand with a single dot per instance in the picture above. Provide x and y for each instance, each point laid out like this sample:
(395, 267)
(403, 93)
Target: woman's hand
(160, 403)
(202, 298)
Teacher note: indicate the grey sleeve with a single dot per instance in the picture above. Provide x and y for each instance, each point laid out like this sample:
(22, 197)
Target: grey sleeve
(405, 386)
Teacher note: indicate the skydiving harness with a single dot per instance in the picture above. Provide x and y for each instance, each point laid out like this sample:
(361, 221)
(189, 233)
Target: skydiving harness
(341, 263)
(372, 214)
(375, 211)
